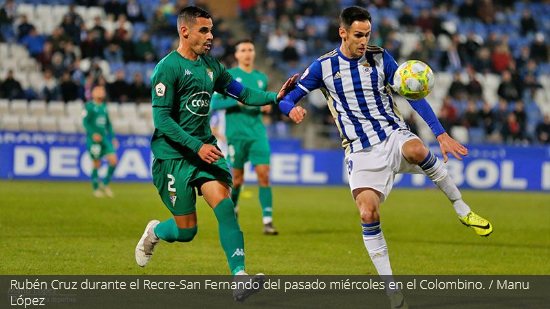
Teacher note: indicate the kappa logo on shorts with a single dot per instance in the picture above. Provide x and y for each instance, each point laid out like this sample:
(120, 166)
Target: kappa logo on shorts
(173, 198)
(160, 89)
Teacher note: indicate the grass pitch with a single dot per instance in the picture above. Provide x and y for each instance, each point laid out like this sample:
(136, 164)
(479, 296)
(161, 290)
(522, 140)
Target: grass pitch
(59, 228)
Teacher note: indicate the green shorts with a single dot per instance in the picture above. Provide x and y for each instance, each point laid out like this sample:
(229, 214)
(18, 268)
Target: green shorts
(101, 149)
(256, 151)
(176, 180)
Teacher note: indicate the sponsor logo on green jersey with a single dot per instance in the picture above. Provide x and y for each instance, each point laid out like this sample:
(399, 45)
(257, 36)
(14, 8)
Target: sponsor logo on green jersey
(199, 103)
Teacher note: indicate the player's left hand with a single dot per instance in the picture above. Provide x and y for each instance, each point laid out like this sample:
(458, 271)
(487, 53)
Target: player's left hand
(287, 87)
(266, 109)
(448, 144)
(115, 143)
(297, 114)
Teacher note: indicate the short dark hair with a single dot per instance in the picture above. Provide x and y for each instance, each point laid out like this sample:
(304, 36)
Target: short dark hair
(189, 14)
(352, 14)
(243, 41)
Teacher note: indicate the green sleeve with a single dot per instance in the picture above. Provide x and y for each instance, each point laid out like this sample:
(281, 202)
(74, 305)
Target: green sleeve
(87, 121)
(247, 96)
(162, 92)
(167, 126)
(222, 102)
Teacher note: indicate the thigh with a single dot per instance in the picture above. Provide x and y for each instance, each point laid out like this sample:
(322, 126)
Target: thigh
(107, 147)
(218, 170)
(237, 153)
(259, 152)
(172, 179)
(403, 137)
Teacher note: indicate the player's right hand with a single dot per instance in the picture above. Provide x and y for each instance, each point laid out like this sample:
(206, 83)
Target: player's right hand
(297, 114)
(97, 138)
(209, 153)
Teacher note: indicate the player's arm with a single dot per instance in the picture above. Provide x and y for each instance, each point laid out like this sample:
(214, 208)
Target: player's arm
(227, 85)
(423, 108)
(111, 132)
(162, 93)
(311, 79)
(220, 101)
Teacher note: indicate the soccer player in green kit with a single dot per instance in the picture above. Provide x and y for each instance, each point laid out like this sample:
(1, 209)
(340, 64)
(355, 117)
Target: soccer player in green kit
(185, 156)
(100, 140)
(246, 134)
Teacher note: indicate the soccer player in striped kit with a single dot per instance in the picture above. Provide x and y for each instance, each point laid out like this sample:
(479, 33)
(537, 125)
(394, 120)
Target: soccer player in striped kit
(355, 79)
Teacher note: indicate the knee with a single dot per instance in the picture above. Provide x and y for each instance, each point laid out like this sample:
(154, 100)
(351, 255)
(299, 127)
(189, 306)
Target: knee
(263, 179)
(113, 161)
(369, 214)
(186, 235)
(416, 153)
(238, 180)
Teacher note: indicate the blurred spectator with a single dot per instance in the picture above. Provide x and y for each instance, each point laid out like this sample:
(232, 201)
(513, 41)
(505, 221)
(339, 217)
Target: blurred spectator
(492, 41)
(91, 47)
(34, 43)
(528, 24)
(113, 7)
(290, 54)
(77, 19)
(285, 23)
(468, 10)
(471, 116)
(57, 67)
(448, 114)
(486, 11)
(543, 130)
(450, 60)
(98, 31)
(276, 42)
(133, 11)
(487, 118)
(500, 113)
(539, 49)
(511, 131)
(407, 19)
(119, 89)
(425, 21)
(7, 14)
(57, 39)
(127, 47)
(217, 49)
(123, 26)
(392, 44)
(71, 30)
(458, 89)
(159, 23)
(10, 88)
(45, 58)
(113, 52)
(166, 7)
(507, 90)
(332, 31)
(523, 58)
(139, 92)
(530, 87)
(501, 58)
(384, 29)
(521, 116)
(24, 28)
(50, 92)
(144, 49)
(474, 87)
(68, 88)
(468, 49)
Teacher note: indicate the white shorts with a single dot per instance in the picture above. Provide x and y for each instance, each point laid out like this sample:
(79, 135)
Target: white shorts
(375, 167)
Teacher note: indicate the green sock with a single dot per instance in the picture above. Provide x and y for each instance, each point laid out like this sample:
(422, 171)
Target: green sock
(231, 236)
(235, 195)
(110, 172)
(169, 231)
(95, 179)
(266, 201)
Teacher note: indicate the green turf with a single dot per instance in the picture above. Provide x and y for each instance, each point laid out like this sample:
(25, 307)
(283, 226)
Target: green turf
(59, 228)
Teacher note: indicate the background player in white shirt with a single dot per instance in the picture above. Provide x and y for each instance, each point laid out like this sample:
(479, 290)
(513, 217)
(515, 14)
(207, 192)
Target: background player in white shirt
(355, 79)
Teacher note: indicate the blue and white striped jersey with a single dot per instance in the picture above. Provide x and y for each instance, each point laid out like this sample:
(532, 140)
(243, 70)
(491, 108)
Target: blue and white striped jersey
(358, 95)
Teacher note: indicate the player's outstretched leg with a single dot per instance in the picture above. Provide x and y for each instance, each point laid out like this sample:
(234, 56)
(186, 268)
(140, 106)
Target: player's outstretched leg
(415, 152)
(368, 201)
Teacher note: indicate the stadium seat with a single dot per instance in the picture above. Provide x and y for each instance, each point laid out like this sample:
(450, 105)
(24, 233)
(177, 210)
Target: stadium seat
(10, 123)
(18, 107)
(121, 126)
(460, 134)
(27, 10)
(114, 110)
(79, 126)
(140, 127)
(74, 109)
(128, 110)
(29, 123)
(47, 124)
(67, 125)
(37, 108)
(4, 107)
(56, 109)
(145, 111)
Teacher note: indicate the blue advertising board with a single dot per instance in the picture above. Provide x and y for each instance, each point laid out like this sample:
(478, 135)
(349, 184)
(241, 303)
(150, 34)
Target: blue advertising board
(56, 156)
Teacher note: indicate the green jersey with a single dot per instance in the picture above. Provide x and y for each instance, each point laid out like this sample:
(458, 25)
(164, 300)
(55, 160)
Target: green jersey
(181, 95)
(96, 120)
(243, 122)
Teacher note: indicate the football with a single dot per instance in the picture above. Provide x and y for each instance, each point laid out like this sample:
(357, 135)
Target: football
(413, 80)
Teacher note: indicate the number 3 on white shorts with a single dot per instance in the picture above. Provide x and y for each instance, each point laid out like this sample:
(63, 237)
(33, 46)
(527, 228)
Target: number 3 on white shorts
(171, 183)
